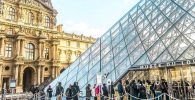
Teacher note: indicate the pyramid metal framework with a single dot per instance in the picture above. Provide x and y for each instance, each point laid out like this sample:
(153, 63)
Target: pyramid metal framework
(152, 32)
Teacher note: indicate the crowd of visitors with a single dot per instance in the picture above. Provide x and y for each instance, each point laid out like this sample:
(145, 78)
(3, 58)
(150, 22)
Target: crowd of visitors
(131, 90)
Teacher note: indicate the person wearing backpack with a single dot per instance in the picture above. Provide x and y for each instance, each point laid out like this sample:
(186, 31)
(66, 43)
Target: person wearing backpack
(134, 90)
(127, 89)
(68, 93)
(121, 91)
(59, 91)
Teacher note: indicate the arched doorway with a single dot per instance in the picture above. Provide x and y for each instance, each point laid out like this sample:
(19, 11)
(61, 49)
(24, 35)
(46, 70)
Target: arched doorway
(28, 79)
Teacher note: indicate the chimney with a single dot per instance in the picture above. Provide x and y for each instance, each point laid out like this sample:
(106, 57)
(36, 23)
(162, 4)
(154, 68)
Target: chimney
(59, 28)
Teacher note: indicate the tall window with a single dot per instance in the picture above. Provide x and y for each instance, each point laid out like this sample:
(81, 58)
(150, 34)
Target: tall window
(30, 18)
(30, 50)
(47, 53)
(12, 13)
(47, 21)
(8, 50)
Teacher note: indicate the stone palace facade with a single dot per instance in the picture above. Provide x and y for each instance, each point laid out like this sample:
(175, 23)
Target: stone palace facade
(33, 48)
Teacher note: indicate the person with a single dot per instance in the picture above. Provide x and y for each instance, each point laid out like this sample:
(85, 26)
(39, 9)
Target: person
(175, 89)
(93, 92)
(68, 93)
(157, 88)
(75, 91)
(88, 92)
(164, 88)
(134, 90)
(105, 92)
(59, 91)
(148, 91)
(32, 89)
(111, 90)
(98, 92)
(36, 91)
(193, 87)
(142, 91)
(120, 90)
(127, 88)
(49, 92)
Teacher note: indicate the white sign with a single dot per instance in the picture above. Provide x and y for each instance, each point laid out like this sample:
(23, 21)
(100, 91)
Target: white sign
(109, 81)
(12, 84)
(99, 79)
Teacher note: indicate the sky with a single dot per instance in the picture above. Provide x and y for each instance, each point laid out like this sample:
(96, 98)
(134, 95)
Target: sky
(90, 17)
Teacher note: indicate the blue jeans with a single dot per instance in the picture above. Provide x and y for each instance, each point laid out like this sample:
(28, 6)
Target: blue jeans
(158, 93)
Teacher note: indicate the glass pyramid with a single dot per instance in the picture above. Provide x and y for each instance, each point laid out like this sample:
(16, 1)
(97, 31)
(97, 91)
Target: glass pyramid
(152, 32)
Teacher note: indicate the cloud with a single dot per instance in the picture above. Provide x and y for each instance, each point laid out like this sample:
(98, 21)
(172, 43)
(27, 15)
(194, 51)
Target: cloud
(82, 28)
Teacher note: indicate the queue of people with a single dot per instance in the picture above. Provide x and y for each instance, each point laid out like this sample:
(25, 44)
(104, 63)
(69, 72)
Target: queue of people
(131, 90)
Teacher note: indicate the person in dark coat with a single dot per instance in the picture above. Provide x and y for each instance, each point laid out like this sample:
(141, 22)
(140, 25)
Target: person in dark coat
(127, 88)
(32, 89)
(59, 90)
(121, 91)
(68, 93)
(88, 92)
(134, 89)
(111, 90)
(49, 92)
(75, 91)
(164, 88)
(142, 91)
(105, 91)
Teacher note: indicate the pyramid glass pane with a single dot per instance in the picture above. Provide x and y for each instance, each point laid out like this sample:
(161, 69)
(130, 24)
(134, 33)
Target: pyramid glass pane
(152, 32)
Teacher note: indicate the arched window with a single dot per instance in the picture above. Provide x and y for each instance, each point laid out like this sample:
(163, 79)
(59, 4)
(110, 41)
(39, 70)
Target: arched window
(12, 13)
(30, 18)
(8, 50)
(47, 21)
(30, 51)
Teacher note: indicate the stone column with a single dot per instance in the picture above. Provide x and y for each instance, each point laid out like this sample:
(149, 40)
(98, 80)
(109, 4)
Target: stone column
(16, 74)
(40, 49)
(2, 46)
(42, 74)
(53, 72)
(56, 71)
(43, 47)
(21, 76)
(54, 52)
(18, 47)
(22, 45)
(1, 66)
(39, 75)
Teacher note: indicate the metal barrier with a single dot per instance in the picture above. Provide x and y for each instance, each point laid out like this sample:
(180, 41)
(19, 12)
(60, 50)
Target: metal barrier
(38, 96)
(162, 96)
